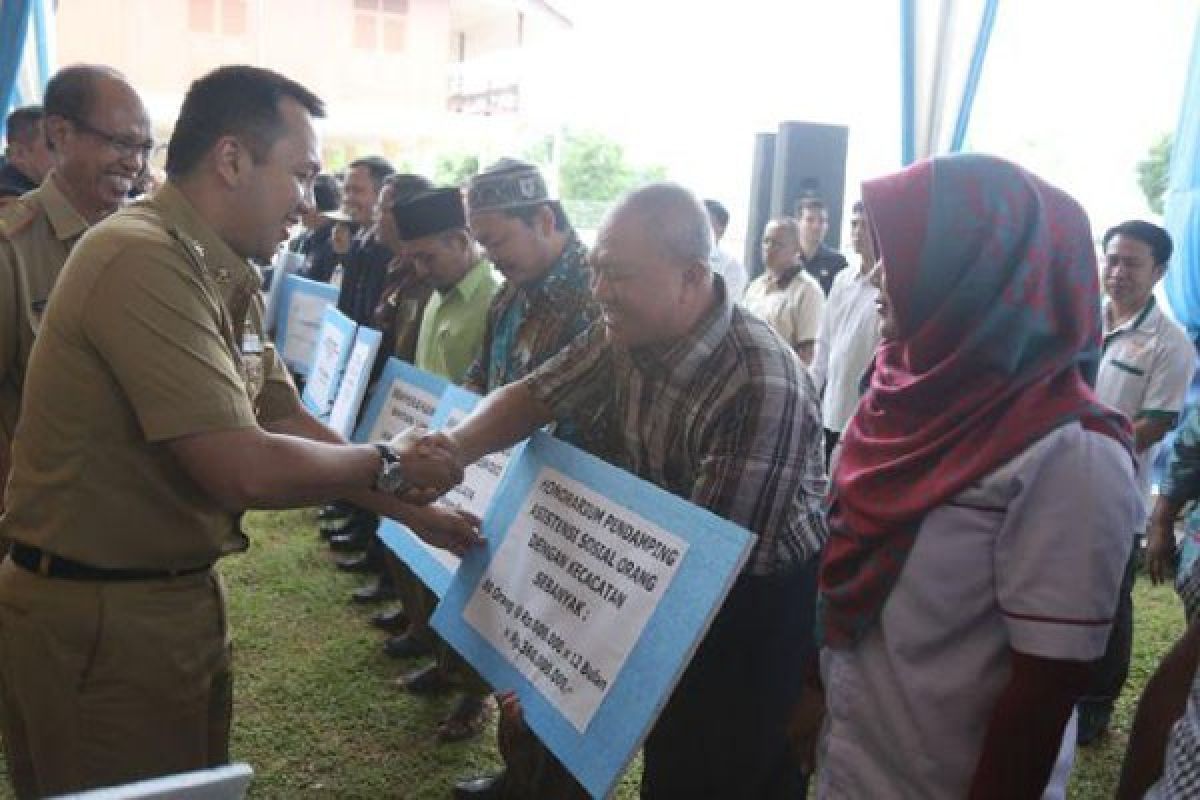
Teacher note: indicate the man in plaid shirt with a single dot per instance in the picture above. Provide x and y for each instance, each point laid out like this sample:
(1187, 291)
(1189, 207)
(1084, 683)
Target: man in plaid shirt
(701, 398)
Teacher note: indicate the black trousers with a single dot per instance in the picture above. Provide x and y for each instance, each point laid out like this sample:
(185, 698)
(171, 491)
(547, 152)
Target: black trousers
(831, 440)
(723, 733)
(1109, 673)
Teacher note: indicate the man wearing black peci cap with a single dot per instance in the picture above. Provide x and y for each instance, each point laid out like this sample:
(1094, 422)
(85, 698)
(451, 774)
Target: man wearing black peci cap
(433, 228)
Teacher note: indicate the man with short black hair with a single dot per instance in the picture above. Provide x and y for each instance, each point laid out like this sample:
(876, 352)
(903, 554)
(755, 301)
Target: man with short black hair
(160, 412)
(725, 265)
(1145, 372)
(818, 259)
(364, 277)
(848, 335)
(27, 159)
(366, 263)
(315, 242)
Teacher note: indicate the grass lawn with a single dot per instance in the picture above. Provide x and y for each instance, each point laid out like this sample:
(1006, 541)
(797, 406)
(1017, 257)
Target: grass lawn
(317, 714)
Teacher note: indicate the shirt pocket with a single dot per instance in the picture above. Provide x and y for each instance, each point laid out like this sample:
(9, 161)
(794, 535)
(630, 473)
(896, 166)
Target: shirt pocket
(1123, 378)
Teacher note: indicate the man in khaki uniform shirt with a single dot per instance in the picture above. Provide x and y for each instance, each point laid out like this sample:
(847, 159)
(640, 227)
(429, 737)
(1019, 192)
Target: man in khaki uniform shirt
(785, 295)
(99, 133)
(157, 413)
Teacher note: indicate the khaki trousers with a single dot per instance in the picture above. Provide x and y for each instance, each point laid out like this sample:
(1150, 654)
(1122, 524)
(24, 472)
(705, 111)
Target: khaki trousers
(107, 683)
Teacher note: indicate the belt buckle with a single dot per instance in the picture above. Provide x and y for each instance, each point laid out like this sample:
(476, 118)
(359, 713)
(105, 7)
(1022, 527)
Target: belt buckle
(44, 561)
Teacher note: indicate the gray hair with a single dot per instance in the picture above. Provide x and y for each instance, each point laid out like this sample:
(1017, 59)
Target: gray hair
(673, 216)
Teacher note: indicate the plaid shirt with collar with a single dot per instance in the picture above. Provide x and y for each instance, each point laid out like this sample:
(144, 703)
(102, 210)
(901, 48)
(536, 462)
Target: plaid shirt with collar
(725, 417)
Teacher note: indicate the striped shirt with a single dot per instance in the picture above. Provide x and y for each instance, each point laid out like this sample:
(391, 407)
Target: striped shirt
(725, 417)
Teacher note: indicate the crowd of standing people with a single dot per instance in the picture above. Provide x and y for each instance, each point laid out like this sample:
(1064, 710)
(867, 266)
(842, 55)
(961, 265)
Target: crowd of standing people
(943, 449)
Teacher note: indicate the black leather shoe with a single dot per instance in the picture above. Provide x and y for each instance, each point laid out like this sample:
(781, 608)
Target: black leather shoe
(392, 620)
(378, 592)
(405, 646)
(490, 787)
(429, 681)
(348, 542)
(358, 563)
(334, 511)
(329, 528)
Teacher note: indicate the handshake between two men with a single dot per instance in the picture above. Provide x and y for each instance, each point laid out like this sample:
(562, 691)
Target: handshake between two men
(420, 468)
(431, 463)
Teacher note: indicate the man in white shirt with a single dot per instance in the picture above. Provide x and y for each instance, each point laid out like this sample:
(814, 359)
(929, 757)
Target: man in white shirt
(1145, 372)
(787, 297)
(848, 335)
(722, 262)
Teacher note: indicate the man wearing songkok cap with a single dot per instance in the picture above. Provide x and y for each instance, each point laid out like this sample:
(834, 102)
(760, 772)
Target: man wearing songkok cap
(545, 303)
(545, 300)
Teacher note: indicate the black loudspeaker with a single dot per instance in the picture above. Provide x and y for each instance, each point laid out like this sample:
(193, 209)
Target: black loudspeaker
(810, 159)
(761, 182)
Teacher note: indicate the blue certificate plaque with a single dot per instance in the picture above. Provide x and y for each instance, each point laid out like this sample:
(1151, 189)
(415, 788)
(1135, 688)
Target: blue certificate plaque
(592, 593)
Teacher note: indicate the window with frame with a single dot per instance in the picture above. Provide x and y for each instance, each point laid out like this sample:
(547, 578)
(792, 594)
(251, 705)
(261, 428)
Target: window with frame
(226, 17)
(380, 25)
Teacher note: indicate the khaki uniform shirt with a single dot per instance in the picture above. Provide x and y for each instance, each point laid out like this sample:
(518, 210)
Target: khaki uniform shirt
(37, 232)
(155, 333)
(792, 306)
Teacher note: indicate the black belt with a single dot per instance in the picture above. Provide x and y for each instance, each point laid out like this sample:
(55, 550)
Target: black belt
(37, 560)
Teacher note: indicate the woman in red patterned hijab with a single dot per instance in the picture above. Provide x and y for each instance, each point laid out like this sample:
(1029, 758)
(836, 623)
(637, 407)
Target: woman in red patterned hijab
(992, 334)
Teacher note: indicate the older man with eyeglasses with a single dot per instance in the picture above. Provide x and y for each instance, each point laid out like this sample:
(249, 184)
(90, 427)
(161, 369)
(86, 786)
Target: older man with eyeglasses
(100, 139)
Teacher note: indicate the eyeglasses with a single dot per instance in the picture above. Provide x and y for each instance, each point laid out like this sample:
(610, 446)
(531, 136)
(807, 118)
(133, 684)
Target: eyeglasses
(144, 149)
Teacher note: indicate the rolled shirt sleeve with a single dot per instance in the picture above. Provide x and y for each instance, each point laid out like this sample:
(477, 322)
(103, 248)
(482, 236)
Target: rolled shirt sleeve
(1169, 378)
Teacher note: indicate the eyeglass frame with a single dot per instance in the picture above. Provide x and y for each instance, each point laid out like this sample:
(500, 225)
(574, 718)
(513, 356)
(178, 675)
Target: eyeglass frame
(145, 149)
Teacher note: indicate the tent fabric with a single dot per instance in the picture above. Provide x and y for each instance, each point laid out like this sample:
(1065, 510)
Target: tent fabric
(14, 25)
(1182, 203)
(940, 69)
(27, 52)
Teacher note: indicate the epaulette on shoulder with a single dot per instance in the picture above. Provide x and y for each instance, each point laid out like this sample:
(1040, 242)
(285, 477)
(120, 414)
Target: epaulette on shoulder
(16, 217)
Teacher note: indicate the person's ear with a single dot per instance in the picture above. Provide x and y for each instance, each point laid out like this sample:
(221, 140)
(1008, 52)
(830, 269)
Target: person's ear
(231, 160)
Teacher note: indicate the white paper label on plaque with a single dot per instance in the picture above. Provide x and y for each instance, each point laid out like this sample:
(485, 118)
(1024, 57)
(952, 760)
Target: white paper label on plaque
(304, 327)
(570, 590)
(345, 407)
(406, 405)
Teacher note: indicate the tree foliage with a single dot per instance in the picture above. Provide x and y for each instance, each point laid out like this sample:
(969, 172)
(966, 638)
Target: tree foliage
(455, 169)
(1153, 170)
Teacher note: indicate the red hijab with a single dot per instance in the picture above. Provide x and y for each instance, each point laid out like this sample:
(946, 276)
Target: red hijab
(991, 275)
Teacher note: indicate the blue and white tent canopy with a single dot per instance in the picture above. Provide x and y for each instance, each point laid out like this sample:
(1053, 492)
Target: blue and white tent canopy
(27, 56)
(1182, 204)
(942, 49)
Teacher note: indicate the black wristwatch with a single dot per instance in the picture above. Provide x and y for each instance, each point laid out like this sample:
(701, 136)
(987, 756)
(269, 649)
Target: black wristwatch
(390, 478)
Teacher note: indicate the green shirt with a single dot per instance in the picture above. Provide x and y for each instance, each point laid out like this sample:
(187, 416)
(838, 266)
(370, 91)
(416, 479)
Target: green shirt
(452, 326)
